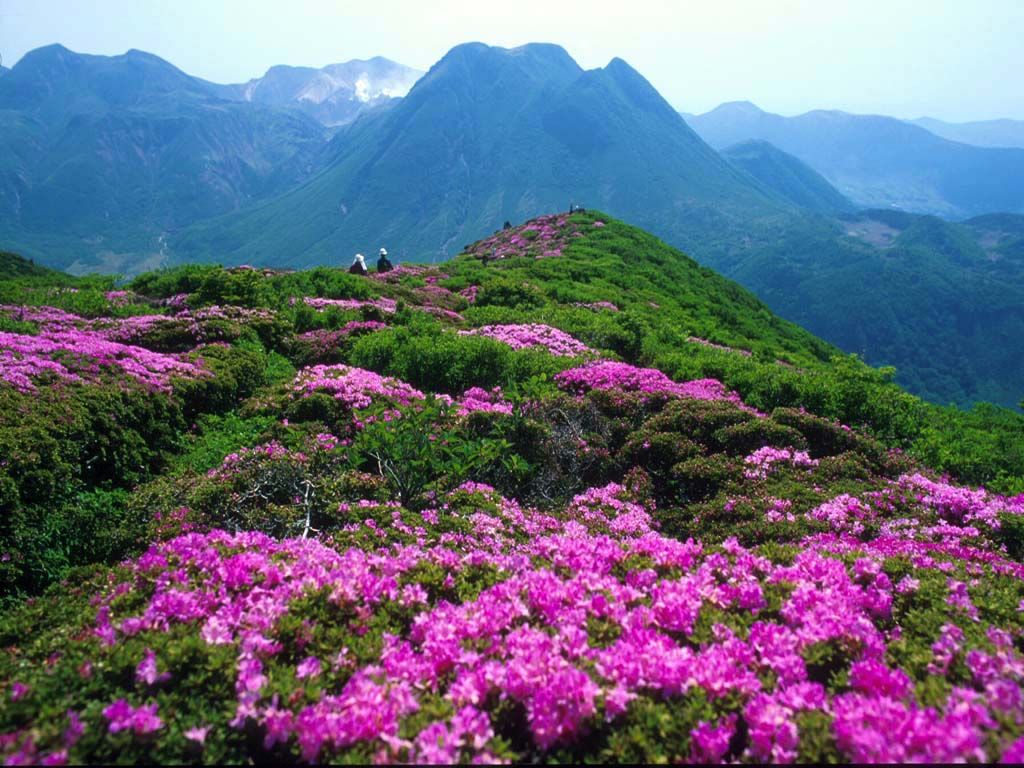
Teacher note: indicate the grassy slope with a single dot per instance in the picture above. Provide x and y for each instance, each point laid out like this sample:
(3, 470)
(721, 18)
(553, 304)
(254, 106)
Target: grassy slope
(684, 462)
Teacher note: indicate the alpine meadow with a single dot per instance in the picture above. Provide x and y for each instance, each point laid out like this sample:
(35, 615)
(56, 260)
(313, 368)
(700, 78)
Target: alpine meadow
(502, 411)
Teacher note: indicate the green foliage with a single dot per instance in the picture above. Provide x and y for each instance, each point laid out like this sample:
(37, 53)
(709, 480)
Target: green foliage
(432, 359)
(417, 448)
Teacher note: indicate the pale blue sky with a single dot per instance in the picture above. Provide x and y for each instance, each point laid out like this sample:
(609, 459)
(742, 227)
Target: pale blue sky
(952, 59)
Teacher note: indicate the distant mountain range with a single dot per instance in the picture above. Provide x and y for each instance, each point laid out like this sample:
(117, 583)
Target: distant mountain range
(334, 95)
(983, 133)
(880, 162)
(102, 157)
(124, 163)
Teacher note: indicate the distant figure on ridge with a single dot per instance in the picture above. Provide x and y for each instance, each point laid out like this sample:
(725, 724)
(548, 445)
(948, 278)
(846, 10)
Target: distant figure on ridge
(383, 265)
(358, 266)
(508, 225)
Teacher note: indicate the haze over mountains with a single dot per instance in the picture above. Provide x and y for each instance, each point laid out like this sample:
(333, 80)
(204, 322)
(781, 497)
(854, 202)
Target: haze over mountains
(880, 162)
(124, 163)
(982, 133)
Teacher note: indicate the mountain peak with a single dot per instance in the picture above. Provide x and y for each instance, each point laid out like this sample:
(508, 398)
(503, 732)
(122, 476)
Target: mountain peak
(738, 107)
(549, 54)
(476, 66)
(335, 94)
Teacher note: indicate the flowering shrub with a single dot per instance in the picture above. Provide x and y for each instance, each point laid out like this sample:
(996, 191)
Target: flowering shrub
(478, 400)
(354, 387)
(542, 237)
(765, 460)
(76, 356)
(579, 623)
(323, 346)
(622, 377)
(534, 335)
(383, 304)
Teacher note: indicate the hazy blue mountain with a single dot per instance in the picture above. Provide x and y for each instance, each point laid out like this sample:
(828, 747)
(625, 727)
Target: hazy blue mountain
(102, 156)
(981, 133)
(334, 95)
(489, 135)
(787, 176)
(881, 162)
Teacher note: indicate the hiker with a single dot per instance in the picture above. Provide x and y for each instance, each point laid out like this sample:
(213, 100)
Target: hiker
(383, 265)
(358, 265)
(508, 225)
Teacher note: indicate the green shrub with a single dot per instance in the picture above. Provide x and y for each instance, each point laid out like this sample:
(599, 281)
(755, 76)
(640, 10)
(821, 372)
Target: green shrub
(441, 361)
(746, 437)
(701, 477)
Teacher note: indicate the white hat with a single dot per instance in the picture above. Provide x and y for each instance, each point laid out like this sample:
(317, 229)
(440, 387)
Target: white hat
(359, 258)
(383, 251)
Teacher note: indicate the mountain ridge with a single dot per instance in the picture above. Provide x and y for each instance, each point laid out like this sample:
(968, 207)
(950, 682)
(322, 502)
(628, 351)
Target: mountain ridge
(788, 176)
(1002, 132)
(879, 161)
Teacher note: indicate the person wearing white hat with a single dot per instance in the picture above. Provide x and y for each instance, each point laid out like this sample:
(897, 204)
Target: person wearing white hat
(383, 265)
(358, 266)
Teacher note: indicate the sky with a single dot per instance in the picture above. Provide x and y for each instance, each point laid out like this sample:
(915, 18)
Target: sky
(955, 60)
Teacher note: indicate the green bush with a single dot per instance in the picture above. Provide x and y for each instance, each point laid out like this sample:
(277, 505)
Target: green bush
(746, 437)
(441, 361)
(701, 477)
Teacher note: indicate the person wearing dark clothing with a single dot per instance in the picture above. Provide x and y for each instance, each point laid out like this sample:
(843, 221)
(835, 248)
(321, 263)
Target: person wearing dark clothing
(383, 265)
(508, 225)
(358, 266)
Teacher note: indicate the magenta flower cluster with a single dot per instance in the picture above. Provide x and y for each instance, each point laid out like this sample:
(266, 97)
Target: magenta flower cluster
(542, 237)
(355, 387)
(324, 341)
(529, 639)
(766, 460)
(73, 355)
(622, 377)
(358, 388)
(479, 400)
(383, 304)
(533, 335)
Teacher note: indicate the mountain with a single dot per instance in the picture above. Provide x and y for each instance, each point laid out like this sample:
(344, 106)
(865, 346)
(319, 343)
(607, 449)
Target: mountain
(941, 301)
(982, 133)
(103, 156)
(787, 176)
(880, 162)
(334, 95)
(489, 135)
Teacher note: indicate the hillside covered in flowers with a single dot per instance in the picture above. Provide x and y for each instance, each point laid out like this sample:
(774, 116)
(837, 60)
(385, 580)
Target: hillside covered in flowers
(568, 497)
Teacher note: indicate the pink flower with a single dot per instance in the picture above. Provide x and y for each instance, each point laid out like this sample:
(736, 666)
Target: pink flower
(308, 668)
(197, 735)
(146, 671)
(18, 691)
(535, 335)
(123, 716)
